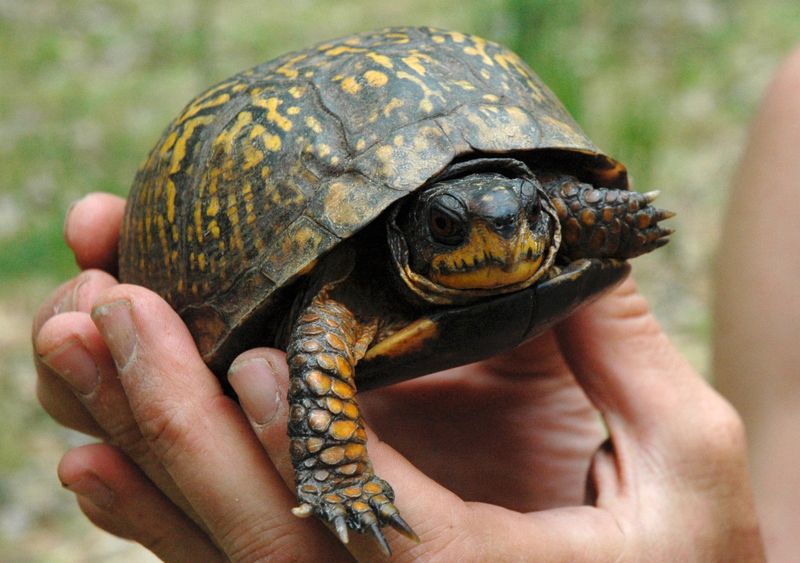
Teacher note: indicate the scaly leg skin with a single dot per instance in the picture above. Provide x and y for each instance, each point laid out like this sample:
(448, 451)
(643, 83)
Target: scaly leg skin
(606, 222)
(334, 475)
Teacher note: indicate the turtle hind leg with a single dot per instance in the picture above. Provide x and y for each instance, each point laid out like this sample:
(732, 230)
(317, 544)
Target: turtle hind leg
(607, 222)
(334, 475)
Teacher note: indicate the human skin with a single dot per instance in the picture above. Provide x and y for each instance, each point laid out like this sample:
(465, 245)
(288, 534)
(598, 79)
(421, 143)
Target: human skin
(757, 308)
(489, 461)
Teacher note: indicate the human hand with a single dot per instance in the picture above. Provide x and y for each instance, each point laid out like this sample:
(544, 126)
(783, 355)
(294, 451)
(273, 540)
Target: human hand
(515, 431)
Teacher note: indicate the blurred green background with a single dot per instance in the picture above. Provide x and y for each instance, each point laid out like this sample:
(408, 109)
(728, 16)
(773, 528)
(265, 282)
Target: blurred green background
(87, 86)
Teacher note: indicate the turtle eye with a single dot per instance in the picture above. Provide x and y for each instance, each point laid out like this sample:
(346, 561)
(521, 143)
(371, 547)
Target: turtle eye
(445, 227)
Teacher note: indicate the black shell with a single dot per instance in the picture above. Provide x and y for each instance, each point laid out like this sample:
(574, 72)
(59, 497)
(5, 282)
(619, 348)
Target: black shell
(263, 173)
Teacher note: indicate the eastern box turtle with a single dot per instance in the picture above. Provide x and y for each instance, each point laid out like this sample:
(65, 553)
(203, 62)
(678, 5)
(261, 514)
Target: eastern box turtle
(404, 200)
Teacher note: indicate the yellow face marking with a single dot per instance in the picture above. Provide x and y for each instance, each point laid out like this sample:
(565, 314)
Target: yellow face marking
(406, 340)
(488, 260)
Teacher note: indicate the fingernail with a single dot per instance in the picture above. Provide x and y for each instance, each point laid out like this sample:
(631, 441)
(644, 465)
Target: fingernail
(116, 325)
(67, 214)
(75, 365)
(70, 301)
(92, 488)
(254, 383)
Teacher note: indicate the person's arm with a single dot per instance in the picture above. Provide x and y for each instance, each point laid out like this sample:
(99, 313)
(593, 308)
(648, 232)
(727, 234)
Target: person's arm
(757, 308)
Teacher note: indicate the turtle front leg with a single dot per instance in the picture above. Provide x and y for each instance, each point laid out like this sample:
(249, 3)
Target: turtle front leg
(334, 475)
(606, 222)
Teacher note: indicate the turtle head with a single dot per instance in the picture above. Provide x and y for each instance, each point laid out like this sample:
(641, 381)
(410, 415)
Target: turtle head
(482, 232)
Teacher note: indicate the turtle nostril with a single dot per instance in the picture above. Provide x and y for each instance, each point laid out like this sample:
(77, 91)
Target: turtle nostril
(505, 225)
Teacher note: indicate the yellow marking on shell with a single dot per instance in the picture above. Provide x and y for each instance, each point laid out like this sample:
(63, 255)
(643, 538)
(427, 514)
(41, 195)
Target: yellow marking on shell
(394, 103)
(201, 261)
(343, 49)
(350, 85)
(467, 267)
(479, 49)
(399, 37)
(456, 36)
(323, 150)
(213, 228)
(297, 91)
(376, 78)
(464, 85)
(162, 238)
(252, 156)
(272, 142)
(385, 153)
(198, 220)
(170, 201)
(273, 116)
(213, 207)
(233, 217)
(227, 136)
(413, 62)
(438, 39)
(382, 60)
(425, 105)
(491, 97)
(179, 152)
(361, 144)
(287, 69)
(293, 110)
(406, 340)
(398, 140)
(313, 124)
(168, 143)
(204, 103)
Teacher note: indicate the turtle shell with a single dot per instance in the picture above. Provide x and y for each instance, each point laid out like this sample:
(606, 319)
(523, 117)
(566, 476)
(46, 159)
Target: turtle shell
(265, 172)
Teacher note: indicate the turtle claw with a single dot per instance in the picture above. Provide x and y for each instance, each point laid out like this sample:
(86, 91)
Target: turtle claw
(341, 529)
(396, 521)
(303, 511)
(650, 197)
(379, 537)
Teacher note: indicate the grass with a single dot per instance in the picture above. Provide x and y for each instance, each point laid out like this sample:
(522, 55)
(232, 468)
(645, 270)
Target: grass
(668, 88)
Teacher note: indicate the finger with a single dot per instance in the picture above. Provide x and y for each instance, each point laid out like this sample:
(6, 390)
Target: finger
(625, 362)
(91, 230)
(118, 498)
(199, 434)
(72, 348)
(55, 396)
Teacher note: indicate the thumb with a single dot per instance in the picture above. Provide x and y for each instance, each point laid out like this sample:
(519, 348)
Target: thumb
(626, 364)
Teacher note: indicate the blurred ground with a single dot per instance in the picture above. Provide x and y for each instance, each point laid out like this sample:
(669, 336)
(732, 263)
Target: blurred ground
(666, 87)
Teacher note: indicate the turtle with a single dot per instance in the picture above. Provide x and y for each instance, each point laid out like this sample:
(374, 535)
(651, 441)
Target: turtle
(380, 206)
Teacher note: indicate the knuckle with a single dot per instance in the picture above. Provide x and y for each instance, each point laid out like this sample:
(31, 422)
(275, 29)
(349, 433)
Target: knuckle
(167, 429)
(719, 434)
